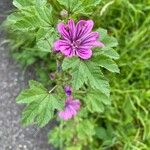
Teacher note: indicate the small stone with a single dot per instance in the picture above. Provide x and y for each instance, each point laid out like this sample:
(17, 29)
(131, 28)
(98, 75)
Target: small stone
(20, 146)
(10, 147)
(25, 146)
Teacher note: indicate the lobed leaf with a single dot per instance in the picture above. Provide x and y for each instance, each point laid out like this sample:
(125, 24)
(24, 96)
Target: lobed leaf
(40, 104)
(45, 38)
(107, 63)
(79, 7)
(85, 130)
(108, 41)
(95, 101)
(20, 4)
(86, 72)
(107, 51)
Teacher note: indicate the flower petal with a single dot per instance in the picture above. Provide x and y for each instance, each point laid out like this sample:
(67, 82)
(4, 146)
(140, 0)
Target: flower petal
(76, 104)
(93, 36)
(84, 53)
(60, 45)
(72, 110)
(83, 27)
(63, 30)
(90, 40)
(68, 52)
(65, 114)
(98, 44)
(72, 29)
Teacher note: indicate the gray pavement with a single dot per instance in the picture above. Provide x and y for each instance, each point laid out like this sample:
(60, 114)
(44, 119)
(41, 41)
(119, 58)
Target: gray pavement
(12, 80)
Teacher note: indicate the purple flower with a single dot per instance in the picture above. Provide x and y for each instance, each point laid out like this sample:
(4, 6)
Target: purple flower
(68, 90)
(77, 39)
(70, 110)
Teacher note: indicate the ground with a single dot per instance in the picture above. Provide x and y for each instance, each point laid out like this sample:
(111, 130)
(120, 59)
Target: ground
(12, 79)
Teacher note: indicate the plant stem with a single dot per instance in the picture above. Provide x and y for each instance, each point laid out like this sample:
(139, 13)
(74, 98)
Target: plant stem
(52, 89)
(61, 140)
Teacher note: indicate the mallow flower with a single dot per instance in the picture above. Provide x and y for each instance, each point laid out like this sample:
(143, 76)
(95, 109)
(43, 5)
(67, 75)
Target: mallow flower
(70, 109)
(77, 39)
(68, 90)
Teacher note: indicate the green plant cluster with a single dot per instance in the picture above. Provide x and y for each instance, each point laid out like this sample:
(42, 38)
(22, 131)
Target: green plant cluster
(115, 117)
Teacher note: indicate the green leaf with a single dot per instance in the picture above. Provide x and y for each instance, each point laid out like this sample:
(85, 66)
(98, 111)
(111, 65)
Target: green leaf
(71, 5)
(103, 56)
(77, 72)
(96, 78)
(85, 130)
(107, 63)
(86, 72)
(108, 41)
(45, 39)
(44, 46)
(101, 133)
(79, 7)
(34, 17)
(30, 95)
(78, 76)
(95, 101)
(35, 84)
(41, 33)
(70, 63)
(12, 19)
(41, 2)
(40, 104)
(107, 51)
(22, 3)
(29, 113)
(45, 110)
(36, 91)
(74, 148)
(82, 129)
(91, 3)
(27, 23)
(44, 14)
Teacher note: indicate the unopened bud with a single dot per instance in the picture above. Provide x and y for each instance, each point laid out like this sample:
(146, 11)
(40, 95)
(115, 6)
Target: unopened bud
(68, 90)
(52, 76)
(64, 13)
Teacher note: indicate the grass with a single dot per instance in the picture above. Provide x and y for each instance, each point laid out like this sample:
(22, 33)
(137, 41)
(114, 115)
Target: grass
(128, 119)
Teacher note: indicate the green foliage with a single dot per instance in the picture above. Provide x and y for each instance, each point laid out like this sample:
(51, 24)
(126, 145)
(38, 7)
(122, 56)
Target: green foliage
(121, 123)
(76, 7)
(104, 56)
(20, 4)
(32, 30)
(109, 44)
(80, 133)
(107, 63)
(41, 104)
(95, 101)
(86, 72)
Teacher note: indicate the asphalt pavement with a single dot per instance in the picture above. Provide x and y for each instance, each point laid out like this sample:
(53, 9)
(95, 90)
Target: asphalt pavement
(12, 79)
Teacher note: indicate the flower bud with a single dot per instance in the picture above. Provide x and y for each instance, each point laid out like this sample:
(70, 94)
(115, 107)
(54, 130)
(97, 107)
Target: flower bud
(52, 76)
(64, 13)
(68, 90)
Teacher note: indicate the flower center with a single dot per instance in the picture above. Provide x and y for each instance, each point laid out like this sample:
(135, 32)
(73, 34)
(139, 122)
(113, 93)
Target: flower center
(75, 44)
